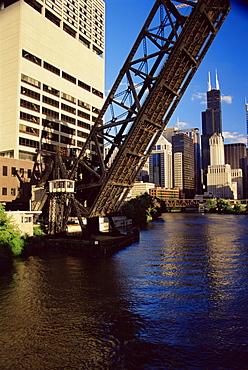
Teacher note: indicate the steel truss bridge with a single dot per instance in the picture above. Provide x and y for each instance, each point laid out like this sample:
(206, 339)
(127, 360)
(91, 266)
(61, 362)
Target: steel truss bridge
(183, 203)
(194, 203)
(164, 58)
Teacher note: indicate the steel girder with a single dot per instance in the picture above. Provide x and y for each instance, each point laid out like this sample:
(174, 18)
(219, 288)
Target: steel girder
(161, 64)
(154, 77)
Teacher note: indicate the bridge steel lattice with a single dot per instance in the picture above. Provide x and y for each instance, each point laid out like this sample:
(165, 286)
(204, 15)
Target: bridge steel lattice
(153, 79)
(173, 46)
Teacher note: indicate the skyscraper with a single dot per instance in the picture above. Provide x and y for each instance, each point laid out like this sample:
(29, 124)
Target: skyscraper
(222, 181)
(236, 156)
(246, 109)
(195, 136)
(52, 73)
(211, 122)
(160, 164)
(183, 164)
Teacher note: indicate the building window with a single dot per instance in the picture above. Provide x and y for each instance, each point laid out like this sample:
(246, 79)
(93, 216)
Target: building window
(68, 119)
(68, 98)
(13, 192)
(50, 124)
(67, 130)
(50, 112)
(52, 18)
(29, 117)
(67, 140)
(68, 77)
(29, 130)
(84, 125)
(31, 57)
(84, 85)
(51, 68)
(4, 191)
(30, 93)
(13, 171)
(34, 4)
(30, 81)
(50, 90)
(29, 173)
(95, 118)
(83, 104)
(22, 172)
(49, 147)
(95, 110)
(97, 51)
(29, 105)
(26, 219)
(50, 136)
(69, 30)
(97, 93)
(5, 171)
(26, 155)
(84, 41)
(50, 101)
(82, 134)
(80, 143)
(84, 115)
(27, 142)
(68, 108)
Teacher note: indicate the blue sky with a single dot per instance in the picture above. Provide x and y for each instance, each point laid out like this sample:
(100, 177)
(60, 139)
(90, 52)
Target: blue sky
(228, 55)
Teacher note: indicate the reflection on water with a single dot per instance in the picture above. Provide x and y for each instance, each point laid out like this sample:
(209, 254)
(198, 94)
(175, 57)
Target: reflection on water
(176, 300)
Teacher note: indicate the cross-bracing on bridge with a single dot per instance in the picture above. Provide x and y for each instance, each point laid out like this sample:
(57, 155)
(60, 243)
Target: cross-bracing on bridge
(154, 77)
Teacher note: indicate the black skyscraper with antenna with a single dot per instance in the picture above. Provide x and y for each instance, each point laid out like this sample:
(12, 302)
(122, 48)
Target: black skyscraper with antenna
(211, 122)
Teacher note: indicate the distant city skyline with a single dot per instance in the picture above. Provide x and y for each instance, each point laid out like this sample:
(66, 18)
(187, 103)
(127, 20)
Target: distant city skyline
(228, 55)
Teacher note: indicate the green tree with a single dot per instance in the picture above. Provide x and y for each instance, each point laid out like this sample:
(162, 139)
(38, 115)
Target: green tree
(211, 204)
(11, 241)
(238, 208)
(142, 209)
(223, 206)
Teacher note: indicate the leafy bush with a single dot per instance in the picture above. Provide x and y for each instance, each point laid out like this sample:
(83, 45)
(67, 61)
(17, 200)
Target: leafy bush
(11, 241)
(38, 231)
(142, 209)
(238, 208)
(212, 205)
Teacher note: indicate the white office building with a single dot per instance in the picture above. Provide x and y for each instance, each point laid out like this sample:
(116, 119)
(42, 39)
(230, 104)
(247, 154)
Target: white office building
(52, 73)
(222, 181)
(160, 164)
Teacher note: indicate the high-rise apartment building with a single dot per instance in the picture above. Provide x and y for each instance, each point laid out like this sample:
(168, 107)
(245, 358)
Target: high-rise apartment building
(211, 123)
(183, 164)
(52, 73)
(160, 164)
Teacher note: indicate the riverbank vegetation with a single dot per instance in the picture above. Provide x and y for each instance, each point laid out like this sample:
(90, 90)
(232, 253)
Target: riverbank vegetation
(224, 206)
(143, 208)
(11, 240)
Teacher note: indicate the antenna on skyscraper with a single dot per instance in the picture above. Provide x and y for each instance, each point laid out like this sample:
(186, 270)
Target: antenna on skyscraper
(209, 82)
(178, 122)
(217, 81)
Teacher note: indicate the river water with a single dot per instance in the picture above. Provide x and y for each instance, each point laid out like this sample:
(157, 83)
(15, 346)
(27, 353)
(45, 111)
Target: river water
(178, 299)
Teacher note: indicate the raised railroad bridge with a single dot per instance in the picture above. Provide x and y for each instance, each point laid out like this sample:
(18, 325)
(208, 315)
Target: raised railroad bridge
(162, 62)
